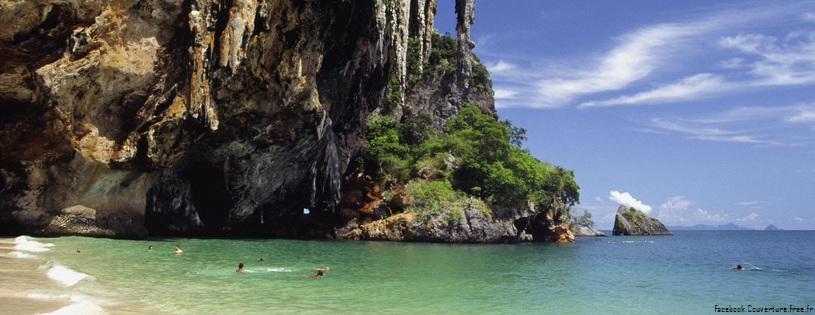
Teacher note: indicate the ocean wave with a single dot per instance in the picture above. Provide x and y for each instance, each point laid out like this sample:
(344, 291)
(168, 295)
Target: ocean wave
(64, 275)
(28, 244)
(631, 242)
(80, 303)
(17, 254)
(48, 297)
(277, 270)
(78, 308)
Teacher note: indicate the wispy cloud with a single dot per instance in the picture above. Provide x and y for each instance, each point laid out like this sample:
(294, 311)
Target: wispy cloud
(777, 62)
(749, 218)
(504, 94)
(674, 210)
(618, 75)
(768, 125)
(749, 203)
(707, 133)
(636, 57)
(703, 215)
(803, 114)
(689, 88)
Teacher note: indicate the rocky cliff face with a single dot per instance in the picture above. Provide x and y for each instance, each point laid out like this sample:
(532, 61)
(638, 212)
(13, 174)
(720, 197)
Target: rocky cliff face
(197, 118)
(634, 222)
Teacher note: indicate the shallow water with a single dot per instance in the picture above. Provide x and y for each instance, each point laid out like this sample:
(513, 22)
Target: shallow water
(685, 273)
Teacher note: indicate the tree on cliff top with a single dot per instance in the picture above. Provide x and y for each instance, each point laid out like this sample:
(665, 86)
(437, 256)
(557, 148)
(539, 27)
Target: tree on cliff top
(485, 161)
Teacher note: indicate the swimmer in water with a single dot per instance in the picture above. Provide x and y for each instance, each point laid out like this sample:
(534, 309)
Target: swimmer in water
(261, 259)
(319, 274)
(322, 269)
(178, 250)
(240, 268)
(738, 267)
(78, 251)
(150, 248)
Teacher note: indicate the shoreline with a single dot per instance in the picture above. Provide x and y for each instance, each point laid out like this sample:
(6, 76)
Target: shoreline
(26, 288)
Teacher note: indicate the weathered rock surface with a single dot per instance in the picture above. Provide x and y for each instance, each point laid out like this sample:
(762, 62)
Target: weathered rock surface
(204, 117)
(473, 227)
(586, 231)
(634, 222)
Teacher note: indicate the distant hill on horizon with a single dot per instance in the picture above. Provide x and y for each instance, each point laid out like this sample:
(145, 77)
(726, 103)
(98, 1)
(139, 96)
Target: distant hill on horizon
(703, 227)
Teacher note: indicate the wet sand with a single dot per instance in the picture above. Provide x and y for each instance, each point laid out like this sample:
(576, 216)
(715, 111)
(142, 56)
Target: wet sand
(22, 285)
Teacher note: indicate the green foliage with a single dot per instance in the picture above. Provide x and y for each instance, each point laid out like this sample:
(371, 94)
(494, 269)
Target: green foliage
(635, 217)
(582, 219)
(413, 59)
(480, 77)
(517, 135)
(488, 162)
(385, 150)
(434, 197)
(442, 58)
(394, 95)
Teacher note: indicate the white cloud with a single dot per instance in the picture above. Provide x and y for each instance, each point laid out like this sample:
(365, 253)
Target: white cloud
(627, 200)
(799, 219)
(673, 210)
(636, 56)
(703, 215)
(749, 218)
(791, 62)
(749, 203)
(803, 114)
(500, 67)
(689, 88)
(504, 94)
(762, 125)
(658, 55)
(707, 133)
(732, 63)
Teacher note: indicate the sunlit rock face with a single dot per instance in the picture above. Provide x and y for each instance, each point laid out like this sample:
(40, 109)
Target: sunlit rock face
(201, 117)
(634, 222)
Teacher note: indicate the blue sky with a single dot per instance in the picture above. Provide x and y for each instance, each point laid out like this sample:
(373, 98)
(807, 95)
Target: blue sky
(698, 112)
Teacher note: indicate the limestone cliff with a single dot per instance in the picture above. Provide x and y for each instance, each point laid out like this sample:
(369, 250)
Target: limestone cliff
(195, 118)
(633, 222)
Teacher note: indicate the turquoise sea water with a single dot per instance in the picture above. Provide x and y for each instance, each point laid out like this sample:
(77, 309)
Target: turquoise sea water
(688, 273)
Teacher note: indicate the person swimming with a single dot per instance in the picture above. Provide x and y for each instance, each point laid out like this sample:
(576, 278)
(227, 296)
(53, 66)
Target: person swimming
(178, 250)
(738, 267)
(261, 259)
(78, 251)
(240, 268)
(318, 275)
(150, 248)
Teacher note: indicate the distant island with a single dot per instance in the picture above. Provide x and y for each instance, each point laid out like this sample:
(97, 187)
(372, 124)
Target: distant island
(772, 228)
(703, 227)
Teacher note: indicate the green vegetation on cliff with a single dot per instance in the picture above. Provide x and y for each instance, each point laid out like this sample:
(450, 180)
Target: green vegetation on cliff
(475, 157)
(635, 217)
(446, 163)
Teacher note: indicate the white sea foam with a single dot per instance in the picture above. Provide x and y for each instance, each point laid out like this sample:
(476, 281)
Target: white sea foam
(277, 269)
(64, 275)
(80, 303)
(17, 254)
(79, 308)
(47, 297)
(28, 244)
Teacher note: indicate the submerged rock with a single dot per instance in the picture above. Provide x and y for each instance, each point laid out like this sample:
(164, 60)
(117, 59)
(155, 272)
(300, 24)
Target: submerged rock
(634, 222)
